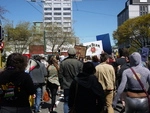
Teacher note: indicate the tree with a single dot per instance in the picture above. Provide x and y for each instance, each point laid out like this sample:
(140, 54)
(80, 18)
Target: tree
(2, 11)
(18, 38)
(135, 31)
(55, 36)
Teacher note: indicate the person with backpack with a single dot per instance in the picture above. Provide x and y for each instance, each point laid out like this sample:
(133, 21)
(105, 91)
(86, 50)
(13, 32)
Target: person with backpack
(15, 86)
(38, 76)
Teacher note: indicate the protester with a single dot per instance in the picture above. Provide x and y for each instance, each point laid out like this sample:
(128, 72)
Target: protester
(90, 94)
(95, 60)
(15, 86)
(52, 80)
(136, 100)
(120, 72)
(106, 76)
(38, 76)
(69, 68)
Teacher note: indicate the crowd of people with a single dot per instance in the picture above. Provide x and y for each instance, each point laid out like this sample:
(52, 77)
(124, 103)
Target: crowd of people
(91, 85)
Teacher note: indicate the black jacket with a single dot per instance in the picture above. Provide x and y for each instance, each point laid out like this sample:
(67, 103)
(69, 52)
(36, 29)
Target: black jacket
(90, 94)
(24, 85)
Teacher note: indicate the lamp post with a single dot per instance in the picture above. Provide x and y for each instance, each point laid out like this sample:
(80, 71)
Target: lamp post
(44, 42)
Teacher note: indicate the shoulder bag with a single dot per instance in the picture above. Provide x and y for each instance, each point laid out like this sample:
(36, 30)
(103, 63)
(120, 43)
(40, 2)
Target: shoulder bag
(142, 87)
(72, 110)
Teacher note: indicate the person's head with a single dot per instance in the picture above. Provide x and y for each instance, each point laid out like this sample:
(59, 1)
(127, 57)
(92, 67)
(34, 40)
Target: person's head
(88, 68)
(95, 58)
(123, 52)
(72, 52)
(104, 57)
(37, 58)
(52, 60)
(135, 59)
(16, 61)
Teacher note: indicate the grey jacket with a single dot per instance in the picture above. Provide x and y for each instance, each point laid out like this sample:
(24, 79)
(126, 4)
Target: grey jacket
(38, 74)
(69, 68)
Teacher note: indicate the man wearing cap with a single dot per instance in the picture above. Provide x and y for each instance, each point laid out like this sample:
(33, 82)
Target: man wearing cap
(69, 68)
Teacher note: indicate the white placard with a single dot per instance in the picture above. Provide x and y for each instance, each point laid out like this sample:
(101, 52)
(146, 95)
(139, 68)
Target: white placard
(94, 48)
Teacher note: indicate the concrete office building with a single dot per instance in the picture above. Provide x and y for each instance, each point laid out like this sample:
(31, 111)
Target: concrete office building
(59, 12)
(133, 8)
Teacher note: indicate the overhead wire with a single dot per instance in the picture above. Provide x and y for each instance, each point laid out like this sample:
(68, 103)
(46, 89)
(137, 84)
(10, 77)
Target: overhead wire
(77, 9)
(93, 12)
(34, 7)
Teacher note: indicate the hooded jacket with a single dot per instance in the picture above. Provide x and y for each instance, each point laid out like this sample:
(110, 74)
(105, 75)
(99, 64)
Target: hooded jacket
(129, 79)
(38, 73)
(89, 92)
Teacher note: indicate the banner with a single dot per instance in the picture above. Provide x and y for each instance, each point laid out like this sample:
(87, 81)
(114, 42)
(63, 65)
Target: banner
(80, 51)
(93, 48)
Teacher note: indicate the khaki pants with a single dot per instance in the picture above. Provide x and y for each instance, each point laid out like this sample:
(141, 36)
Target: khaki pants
(109, 99)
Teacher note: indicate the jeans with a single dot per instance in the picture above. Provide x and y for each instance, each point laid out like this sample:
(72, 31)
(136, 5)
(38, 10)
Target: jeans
(38, 98)
(15, 109)
(66, 95)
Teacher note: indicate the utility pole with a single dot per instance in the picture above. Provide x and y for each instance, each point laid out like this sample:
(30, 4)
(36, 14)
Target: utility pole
(44, 42)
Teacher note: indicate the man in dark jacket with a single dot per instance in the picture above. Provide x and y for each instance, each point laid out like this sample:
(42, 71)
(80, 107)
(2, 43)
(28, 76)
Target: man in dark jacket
(69, 68)
(86, 94)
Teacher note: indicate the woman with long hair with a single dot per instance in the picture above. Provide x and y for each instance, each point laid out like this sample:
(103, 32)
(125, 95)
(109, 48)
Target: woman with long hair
(52, 80)
(15, 86)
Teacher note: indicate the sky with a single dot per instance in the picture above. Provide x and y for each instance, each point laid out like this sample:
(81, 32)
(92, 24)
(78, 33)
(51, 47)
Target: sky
(90, 17)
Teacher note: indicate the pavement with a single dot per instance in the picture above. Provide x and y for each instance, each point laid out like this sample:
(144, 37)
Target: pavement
(59, 106)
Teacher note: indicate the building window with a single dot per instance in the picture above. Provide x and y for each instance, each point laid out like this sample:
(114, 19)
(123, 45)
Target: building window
(57, 9)
(57, 18)
(57, 13)
(57, 4)
(48, 18)
(48, 13)
(66, 4)
(67, 13)
(47, 8)
(66, 9)
(67, 18)
(143, 10)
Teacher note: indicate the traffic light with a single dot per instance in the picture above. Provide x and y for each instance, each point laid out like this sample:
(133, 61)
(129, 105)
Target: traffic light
(1, 33)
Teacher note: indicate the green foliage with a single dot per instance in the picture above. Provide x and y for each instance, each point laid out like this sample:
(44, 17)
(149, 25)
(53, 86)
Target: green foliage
(135, 31)
(19, 38)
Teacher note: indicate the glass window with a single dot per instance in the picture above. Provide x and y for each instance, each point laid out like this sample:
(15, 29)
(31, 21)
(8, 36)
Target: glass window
(57, 13)
(47, 8)
(57, 8)
(67, 13)
(143, 10)
(57, 18)
(48, 18)
(48, 13)
(67, 8)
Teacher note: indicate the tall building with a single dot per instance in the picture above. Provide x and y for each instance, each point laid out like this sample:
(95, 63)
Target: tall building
(59, 12)
(133, 8)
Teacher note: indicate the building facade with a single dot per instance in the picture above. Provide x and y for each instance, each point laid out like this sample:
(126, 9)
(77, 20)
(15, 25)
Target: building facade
(59, 12)
(133, 8)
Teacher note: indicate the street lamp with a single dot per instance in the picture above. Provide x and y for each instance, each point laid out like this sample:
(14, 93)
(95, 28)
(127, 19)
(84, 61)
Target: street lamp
(44, 41)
